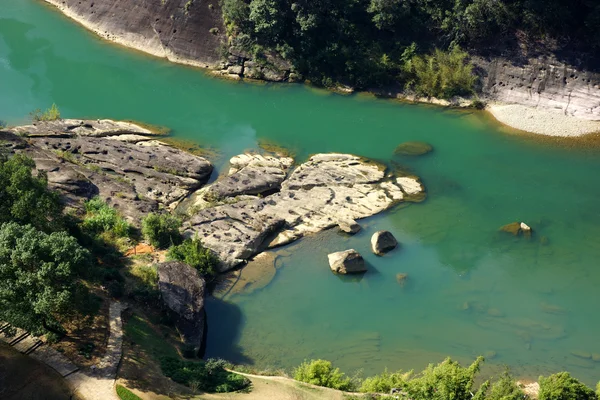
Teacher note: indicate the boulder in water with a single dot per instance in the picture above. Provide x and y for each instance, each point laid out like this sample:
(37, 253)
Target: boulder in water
(413, 149)
(382, 242)
(349, 226)
(347, 262)
(401, 278)
(517, 228)
(182, 292)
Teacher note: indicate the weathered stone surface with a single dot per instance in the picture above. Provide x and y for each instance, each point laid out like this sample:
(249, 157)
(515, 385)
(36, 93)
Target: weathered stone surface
(270, 74)
(346, 262)
(413, 149)
(543, 83)
(349, 226)
(410, 185)
(517, 228)
(77, 127)
(317, 195)
(382, 242)
(251, 174)
(235, 69)
(134, 177)
(181, 31)
(182, 292)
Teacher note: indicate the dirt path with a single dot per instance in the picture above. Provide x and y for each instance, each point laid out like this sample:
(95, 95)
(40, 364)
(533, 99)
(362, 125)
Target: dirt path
(99, 383)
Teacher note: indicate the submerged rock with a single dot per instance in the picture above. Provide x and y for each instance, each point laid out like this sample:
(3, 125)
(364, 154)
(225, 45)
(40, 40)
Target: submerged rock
(349, 226)
(517, 228)
(182, 292)
(413, 149)
(401, 278)
(346, 262)
(382, 242)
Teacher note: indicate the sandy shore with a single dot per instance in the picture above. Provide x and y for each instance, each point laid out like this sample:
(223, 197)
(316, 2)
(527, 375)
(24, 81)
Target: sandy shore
(541, 121)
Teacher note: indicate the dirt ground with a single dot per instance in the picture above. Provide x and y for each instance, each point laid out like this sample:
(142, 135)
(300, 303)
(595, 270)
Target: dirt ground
(22, 377)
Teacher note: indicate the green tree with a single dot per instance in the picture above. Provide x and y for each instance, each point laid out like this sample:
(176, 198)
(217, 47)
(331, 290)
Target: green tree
(322, 373)
(39, 274)
(385, 382)
(562, 386)
(161, 230)
(103, 219)
(193, 253)
(25, 198)
(447, 380)
(505, 388)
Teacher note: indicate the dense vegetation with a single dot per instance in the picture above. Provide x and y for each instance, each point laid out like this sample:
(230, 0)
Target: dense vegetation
(368, 42)
(161, 230)
(209, 376)
(446, 380)
(193, 253)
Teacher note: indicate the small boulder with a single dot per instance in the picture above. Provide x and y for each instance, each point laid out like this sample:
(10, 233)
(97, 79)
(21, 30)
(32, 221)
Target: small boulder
(349, 226)
(413, 149)
(182, 291)
(382, 242)
(347, 262)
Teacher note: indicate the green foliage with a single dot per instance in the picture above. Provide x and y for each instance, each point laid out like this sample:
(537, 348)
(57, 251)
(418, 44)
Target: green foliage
(505, 388)
(385, 382)
(194, 254)
(39, 274)
(25, 198)
(161, 230)
(447, 380)
(322, 373)
(51, 114)
(442, 74)
(138, 331)
(210, 376)
(562, 386)
(103, 219)
(126, 394)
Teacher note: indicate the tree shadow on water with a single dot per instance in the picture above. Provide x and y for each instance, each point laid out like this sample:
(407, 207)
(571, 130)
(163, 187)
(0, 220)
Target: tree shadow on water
(225, 323)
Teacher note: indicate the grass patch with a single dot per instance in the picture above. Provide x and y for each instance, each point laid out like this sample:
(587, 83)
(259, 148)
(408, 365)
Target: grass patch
(51, 114)
(141, 333)
(126, 394)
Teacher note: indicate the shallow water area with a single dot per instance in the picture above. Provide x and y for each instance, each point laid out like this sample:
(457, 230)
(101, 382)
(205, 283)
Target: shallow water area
(525, 302)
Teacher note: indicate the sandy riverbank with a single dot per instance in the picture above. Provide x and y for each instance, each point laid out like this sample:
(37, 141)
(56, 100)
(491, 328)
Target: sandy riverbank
(542, 121)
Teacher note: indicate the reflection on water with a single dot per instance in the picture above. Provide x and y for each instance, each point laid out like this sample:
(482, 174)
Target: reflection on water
(470, 290)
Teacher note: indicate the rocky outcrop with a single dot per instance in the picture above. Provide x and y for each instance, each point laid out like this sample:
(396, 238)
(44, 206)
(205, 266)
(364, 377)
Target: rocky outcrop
(182, 292)
(319, 193)
(347, 262)
(186, 31)
(382, 242)
(542, 83)
(117, 161)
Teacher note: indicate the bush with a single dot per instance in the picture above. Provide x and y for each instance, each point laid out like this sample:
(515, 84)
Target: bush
(447, 380)
(562, 386)
(102, 218)
(51, 114)
(442, 74)
(384, 382)
(505, 388)
(322, 373)
(210, 376)
(161, 230)
(194, 254)
(126, 394)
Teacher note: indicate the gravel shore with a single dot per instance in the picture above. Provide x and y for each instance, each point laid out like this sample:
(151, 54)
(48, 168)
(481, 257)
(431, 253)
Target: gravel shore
(544, 122)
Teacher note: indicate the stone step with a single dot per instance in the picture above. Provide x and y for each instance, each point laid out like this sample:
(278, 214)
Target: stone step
(33, 348)
(21, 335)
(26, 344)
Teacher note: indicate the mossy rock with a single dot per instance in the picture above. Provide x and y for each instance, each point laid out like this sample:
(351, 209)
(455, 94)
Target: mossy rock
(413, 149)
(401, 278)
(517, 228)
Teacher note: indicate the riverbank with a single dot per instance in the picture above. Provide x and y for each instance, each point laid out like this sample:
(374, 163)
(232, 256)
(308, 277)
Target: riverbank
(542, 121)
(519, 111)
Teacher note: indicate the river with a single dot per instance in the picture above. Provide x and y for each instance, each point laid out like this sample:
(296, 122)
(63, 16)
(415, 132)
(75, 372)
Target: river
(526, 303)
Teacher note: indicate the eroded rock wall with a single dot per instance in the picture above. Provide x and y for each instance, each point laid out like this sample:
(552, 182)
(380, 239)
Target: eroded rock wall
(188, 31)
(542, 82)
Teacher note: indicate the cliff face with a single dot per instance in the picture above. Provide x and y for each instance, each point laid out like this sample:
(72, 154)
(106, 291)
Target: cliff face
(187, 31)
(544, 83)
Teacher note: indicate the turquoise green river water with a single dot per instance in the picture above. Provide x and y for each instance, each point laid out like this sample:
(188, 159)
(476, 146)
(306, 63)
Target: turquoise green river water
(528, 304)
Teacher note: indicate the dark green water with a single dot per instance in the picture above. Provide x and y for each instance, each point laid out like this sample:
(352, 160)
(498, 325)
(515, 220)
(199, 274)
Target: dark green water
(470, 290)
